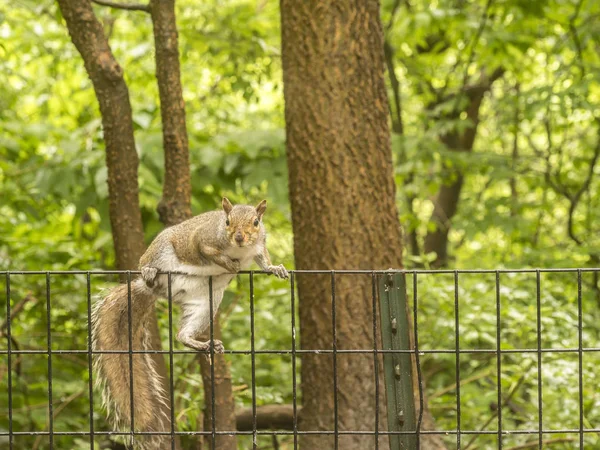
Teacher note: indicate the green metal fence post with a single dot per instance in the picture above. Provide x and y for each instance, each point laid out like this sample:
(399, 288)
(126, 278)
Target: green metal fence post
(397, 366)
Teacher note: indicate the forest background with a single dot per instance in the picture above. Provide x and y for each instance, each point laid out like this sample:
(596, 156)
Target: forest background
(495, 138)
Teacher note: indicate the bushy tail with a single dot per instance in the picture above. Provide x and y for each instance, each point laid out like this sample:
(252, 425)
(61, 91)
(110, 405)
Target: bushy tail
(110, 328)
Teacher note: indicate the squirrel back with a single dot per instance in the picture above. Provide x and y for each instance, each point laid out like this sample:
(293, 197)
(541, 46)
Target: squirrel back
(217, 229)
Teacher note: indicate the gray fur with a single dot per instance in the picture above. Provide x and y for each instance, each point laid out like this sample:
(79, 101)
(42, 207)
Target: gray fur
(201, 247)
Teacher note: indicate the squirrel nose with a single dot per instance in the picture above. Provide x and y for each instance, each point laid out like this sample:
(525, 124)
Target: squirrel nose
(239, 237)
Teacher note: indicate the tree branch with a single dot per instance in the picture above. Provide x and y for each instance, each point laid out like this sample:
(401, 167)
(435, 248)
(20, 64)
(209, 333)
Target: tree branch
(515, 154)
(576, 40)
(474, 42)
(397, 124)
(557, 185)
(15, 311)
(395, 8)
(268, 417)
(125, 6)
(505, 401)
(582, 189)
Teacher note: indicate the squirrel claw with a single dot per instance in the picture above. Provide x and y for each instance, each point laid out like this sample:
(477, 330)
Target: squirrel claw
(149, 275)
(219, 347)
(201, 346)
(235, 266)
(279, 271)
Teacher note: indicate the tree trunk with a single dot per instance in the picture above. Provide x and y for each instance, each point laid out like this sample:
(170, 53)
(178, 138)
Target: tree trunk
(447, 198)
(342, 195)
(121, 158)
(175, 205)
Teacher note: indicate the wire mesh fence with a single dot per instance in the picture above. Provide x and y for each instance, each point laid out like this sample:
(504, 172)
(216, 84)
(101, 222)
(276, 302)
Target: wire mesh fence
(506, 363)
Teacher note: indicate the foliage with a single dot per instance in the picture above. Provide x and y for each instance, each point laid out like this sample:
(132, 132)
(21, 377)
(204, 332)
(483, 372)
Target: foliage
(516, 209)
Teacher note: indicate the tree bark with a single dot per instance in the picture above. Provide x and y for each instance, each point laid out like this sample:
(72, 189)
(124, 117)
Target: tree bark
(175, 205)
(121, 157)
(342, 195)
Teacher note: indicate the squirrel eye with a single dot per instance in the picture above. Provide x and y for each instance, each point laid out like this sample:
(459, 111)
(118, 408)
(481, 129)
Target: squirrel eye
(256, 222)
(227, 222)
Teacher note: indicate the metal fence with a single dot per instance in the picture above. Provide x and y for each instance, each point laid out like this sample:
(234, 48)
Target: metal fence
(398, 348)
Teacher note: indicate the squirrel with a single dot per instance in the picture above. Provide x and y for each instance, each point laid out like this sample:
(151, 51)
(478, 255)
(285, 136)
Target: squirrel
(214, 244)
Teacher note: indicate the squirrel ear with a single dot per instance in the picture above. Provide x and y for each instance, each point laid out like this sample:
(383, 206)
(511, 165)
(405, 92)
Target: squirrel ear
(261, 208)
(227, 206)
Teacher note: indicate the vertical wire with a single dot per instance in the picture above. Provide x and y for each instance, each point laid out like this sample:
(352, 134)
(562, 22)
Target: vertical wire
(294, 399)
(580, 354)
(375, 356)
(457, 343)
(49, 342)
(539, 357)
(499, 359)
(130, 332)
(90, 367)
(212, 362)
(9, 349)
(418, 359)
(253, 357)
(171, 387)
(334, 342)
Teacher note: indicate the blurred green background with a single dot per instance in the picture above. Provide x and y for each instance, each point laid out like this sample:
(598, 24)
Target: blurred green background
(531, 196)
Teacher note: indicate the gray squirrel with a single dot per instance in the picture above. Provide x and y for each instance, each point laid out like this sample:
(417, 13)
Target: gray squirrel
(214, 244)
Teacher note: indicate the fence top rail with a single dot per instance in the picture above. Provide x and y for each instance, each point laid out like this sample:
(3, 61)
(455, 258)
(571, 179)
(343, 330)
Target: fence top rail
(319, 271)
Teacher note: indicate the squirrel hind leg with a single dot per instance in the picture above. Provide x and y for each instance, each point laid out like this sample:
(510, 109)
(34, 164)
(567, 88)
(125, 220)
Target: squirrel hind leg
(194, 321)
(201, 346)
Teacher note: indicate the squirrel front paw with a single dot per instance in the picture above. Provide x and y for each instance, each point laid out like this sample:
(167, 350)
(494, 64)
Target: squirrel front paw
(233, 266)
(279, 271)
(219, 347)
(149, 275)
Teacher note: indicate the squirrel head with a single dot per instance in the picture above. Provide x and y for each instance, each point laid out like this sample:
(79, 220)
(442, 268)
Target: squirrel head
(243, 223)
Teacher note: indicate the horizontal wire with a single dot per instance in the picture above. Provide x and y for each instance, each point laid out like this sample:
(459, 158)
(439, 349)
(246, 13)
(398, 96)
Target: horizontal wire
(454, 351)
(299, 432)
(328, 272)
(301, 351)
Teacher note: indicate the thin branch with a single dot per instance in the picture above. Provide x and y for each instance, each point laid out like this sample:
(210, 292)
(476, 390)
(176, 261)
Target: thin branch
(15, 311)
(515, 154)
(505, 401)
(463, 382)
(474, 42)
(55, 414)
(393, 14)
(582, 189)
(125, 6)
(573, 31)
(397, 123)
